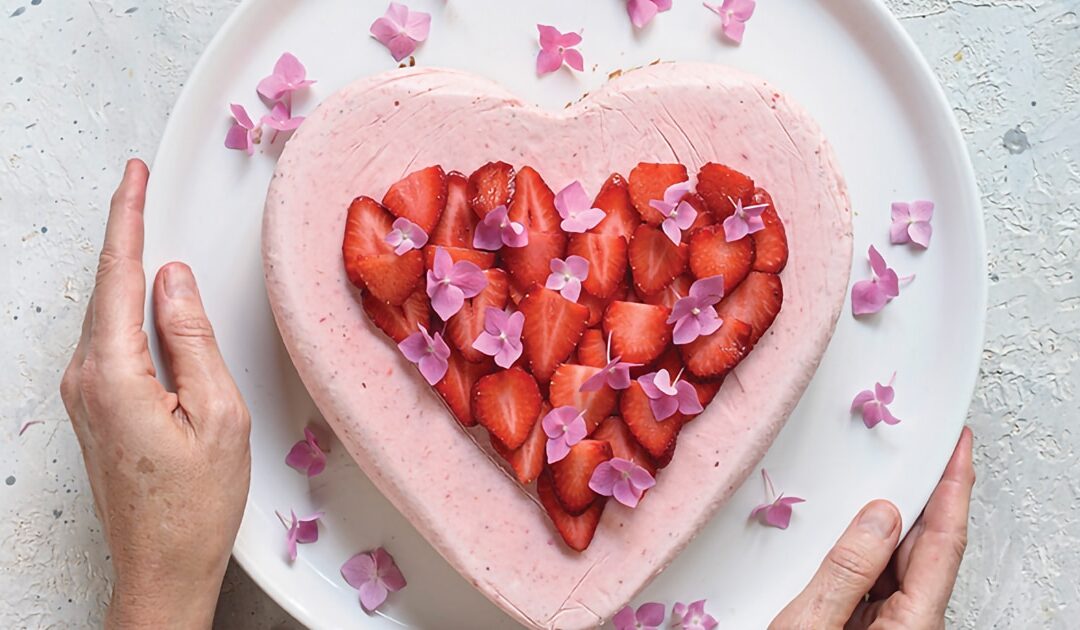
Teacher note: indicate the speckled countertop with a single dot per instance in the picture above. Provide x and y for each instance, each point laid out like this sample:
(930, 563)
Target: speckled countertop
(85, 85)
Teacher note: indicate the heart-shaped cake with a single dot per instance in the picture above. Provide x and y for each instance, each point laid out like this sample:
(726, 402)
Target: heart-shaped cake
(614, 358)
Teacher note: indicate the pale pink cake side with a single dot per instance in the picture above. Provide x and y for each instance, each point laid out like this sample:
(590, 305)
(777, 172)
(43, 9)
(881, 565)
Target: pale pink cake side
(493, 532)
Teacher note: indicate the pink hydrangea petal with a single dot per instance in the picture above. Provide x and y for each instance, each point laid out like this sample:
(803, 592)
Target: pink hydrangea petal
(383, 30)
(619, 376)
(884, 393)
(648, 384)
(446, 300)
(920, 232)
(549, 36)
(624, 619)
(401, 46)
(650, 614)
(663, 383)
(488, 343)
(861, 399)
(487, 236)
(433, 368)
(887, 417)
(571, 200)
(641, 478)
(359, 569)
(557, 449)
(238, 138)
(300, 456)
(900, 212)
(591, 218)
(576, 430)
(515, 323)
(468, 277)
(641, 12)
(572, 290)
(871, 414)
(596, 381)
(742, 10)
(603, 479)
(687, 329)
(418, 26)
(922, 210)
(877, 262)
(754, 223)
(272, 87)
(687, 399)
(778, 516)
(556, 281)
(710, 289)
(674, 194)
(511, 352)
(389, 572)
(569, 40)
(415, 346)
(624, 493)
(709, 320)
(574, 59)
(663, 407)
(734, 30)
(685, 215)
(735, 228)
(577, 266)
(515, 235)
(307, 530)
(672, 231)
(372, 595)
(866, 298)
(889, 283)
(548, 61)
(898, 232)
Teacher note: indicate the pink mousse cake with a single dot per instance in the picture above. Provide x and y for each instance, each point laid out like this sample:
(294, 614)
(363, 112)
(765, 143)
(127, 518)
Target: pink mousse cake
(460, 461)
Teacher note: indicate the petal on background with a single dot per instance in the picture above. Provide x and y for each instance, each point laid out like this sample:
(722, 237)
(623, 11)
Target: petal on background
(920, 232)
(574, 59)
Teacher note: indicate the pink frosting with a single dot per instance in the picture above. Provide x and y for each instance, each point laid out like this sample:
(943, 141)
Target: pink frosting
(481, 520)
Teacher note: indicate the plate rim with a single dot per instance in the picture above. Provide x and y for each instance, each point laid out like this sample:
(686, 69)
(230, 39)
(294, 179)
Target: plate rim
(876, 10)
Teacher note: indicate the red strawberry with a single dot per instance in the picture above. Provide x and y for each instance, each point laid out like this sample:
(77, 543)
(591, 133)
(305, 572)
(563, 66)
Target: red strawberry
(533, 204)
(398, 322)
(490, 186)
(623, 445)
(592, 350)
(658, 438)
(712, 255)
(566, 391)
(527, 460)
(713, 356)
(666, 297)
(756, 301)
(654, 260)
(770, 244)
(648, 182)
(420, 197)
(457, 224)
(704, 217)
(515, 295)
(614, 199)
(606, 254)
(456, 388)
(553, 326)
(576, 531)
(464, 327)
(390, 277)
(595, 305)
(572, 474)
(507, 403)
(720, 185)
(639, 332)
(706, 390)
(531, 265)
(483, 260)
(366, 227)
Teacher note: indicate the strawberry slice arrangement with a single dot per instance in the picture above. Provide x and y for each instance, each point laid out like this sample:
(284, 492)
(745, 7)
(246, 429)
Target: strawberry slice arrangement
(582, 333)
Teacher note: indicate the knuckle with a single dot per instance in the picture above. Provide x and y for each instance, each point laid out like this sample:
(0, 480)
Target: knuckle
(189, 325)
(228, 409)
(69, 384)
(851, 565)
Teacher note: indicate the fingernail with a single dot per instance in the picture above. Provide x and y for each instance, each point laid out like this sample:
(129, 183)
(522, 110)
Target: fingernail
(178, 282)
(879, 520)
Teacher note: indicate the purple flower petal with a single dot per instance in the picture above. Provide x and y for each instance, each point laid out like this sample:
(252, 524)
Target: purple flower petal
(687, 399)
(663, 408)
(920, 232)
(372, 595)
(624, 492)
(867, 297)
(650, 614)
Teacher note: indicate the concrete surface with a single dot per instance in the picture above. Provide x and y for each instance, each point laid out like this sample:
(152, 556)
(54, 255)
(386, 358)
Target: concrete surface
(68, 120)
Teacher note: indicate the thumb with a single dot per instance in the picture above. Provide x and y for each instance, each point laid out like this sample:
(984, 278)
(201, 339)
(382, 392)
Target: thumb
(203, 382)
(848, 571)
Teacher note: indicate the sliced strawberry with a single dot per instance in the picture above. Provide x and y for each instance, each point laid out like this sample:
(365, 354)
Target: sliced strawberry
(553, 326)
(712, 255)
(704, 217)
(398, 322)
(566, 391)
(456, 388)
(483, 260)
(464, 327)
(654, 260)
(572, 474)
(623, 445)
(576, 531)
(531, 265)
(420, 197)
(770, 244)
(720, 185)
(392, 278)
(596, 307)
(516, 296)
(639, 332)
(366, 227)
(648, 182)
(713, 356)
(533, 204)
(457, 224)
(606, 254)
(658, 438)
(527, 460)
(614, 199)
(592, 350)
(666, 297)
(756, 301)
(490, 186)
(706, 390)
(507, 403)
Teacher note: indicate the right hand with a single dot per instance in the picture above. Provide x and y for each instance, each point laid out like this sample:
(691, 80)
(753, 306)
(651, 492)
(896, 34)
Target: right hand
(864, 584)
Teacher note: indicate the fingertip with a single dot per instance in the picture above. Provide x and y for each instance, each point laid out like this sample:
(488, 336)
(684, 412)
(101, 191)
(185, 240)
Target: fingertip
(881, 519)
(176, 280)
(136, 168)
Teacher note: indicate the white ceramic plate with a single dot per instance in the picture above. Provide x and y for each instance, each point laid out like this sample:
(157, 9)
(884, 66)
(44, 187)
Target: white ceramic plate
(853, 68)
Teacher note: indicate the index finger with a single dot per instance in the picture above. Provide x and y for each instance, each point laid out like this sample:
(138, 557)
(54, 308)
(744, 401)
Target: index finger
(120, 290)
(936, 555)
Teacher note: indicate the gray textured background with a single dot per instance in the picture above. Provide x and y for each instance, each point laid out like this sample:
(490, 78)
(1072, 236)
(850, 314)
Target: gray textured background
(86, 84)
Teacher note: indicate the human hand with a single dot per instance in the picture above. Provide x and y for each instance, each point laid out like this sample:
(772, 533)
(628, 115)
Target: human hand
(169, 470)
(863, 583)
